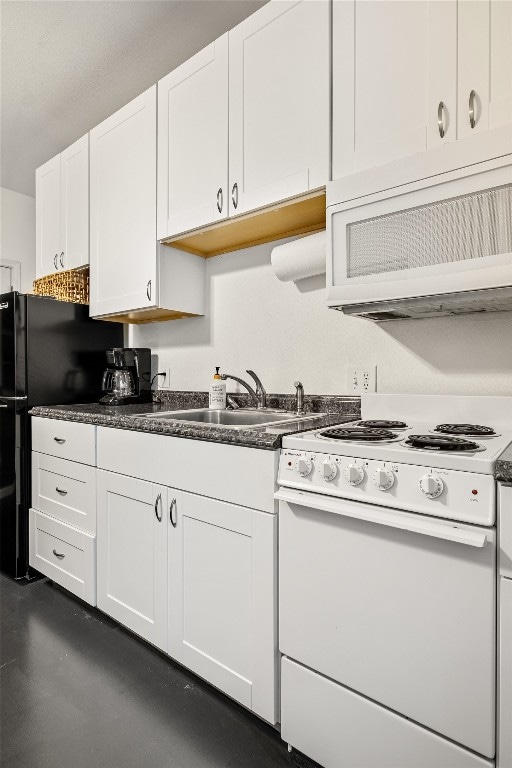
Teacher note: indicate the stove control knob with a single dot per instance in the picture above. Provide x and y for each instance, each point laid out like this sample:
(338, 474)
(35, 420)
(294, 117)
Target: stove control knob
(328, 469)
(431, 486)
(384, 479)
(304, 467)
(354, 474)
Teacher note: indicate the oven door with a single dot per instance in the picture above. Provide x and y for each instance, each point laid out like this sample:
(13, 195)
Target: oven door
(397, 606)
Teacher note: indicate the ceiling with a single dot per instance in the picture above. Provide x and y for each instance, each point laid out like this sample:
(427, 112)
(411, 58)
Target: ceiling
(66, 65)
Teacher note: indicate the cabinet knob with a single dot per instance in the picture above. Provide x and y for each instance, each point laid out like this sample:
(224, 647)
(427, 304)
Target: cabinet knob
(62, 491)
(55, 261)
(58, 554)
(472, 117)
(62, 259)
(440, 119)
(220, 200)
(148, 290)
(234, 195)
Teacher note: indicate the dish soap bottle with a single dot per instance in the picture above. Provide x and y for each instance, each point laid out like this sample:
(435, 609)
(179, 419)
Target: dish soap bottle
(217, 392)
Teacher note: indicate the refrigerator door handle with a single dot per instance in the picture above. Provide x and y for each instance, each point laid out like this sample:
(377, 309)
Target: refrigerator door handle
(12, 399)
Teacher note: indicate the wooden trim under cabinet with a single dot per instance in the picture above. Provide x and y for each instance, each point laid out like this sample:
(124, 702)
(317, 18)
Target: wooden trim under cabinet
(298, 216)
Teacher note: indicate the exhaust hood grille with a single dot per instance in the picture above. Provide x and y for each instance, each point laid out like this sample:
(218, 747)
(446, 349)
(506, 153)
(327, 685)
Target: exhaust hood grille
(466, 302)
(467, 227)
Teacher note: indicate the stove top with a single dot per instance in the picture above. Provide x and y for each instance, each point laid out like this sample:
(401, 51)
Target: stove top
(390, 431)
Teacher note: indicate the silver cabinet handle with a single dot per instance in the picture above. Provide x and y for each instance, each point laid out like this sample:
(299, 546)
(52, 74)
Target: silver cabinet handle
(472, 118)
(158, 504)
(440, 119)
(173, 506)
(234, 195)
(62, 259)
(61, 491)
(220, 200)
(55, 261)
(59, 440)
(58, 554)
(148, 290)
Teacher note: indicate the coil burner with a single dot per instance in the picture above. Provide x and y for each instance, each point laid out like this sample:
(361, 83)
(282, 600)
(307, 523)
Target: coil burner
(442, 443)
(471, 430)
(359, 434)
(382, 424)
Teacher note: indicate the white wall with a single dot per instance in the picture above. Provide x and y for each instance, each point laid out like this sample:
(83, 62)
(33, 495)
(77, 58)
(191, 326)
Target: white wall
(18, 233)
(284, 331)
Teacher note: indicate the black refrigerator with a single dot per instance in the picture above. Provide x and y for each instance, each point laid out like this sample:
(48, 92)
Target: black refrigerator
(51, 352)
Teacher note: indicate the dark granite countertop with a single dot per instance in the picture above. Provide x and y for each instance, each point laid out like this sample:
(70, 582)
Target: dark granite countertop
(503, 469)
(336, 409)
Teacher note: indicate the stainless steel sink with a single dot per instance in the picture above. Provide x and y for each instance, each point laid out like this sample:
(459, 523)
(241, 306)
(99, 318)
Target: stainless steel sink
(240, 419)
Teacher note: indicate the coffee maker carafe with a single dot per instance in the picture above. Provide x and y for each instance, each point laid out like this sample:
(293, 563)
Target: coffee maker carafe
(127, 378)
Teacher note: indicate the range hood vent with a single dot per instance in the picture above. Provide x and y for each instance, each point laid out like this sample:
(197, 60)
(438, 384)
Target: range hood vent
(464, 303)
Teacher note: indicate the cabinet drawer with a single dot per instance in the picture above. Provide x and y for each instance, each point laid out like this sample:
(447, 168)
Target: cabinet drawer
(65, 490)
(65, 439)
(63, 554)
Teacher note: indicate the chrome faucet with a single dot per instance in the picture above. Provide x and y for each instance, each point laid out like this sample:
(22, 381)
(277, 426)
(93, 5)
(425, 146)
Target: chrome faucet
(258, 396)
(300, 397)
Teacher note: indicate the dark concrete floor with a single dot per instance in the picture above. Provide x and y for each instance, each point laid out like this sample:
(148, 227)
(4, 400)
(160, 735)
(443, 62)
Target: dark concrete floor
(78, 691)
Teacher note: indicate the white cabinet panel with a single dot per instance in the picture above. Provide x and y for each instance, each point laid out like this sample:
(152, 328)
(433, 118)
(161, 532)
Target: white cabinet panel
(504, 755)
(278, 103)
(222, 597)
(473, 66)
(123, 209)
(74, 237)
(442, 72)
(65, 490)
(64, 554)
(132, 555)
(500, 106)
(48, 217)
(193, 142)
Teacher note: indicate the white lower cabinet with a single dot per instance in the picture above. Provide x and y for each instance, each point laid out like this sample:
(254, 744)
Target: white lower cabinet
(222, 597)
(132, 555)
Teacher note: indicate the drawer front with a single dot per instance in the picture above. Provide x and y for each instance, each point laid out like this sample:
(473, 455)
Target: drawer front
(65, 490)
(339, 729)
(65, 439)
(63, 554)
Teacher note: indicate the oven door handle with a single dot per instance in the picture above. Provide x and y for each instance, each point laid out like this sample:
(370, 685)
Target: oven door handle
(384, 516)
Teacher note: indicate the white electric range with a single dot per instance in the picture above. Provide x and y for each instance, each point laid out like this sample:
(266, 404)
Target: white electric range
(388, 582)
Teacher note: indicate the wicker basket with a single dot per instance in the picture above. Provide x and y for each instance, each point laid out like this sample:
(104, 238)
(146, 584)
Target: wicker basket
(71, 285)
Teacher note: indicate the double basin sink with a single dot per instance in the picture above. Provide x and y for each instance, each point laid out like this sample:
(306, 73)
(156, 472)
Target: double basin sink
(239, 419)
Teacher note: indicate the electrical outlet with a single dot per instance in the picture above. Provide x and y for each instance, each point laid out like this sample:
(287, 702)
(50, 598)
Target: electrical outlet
(162, 382)
(362, 380)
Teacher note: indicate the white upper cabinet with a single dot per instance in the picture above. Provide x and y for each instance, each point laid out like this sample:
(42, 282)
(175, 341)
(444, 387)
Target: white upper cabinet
(278, 103)
(410, 76)
(473, 60)
(48, 217)
(500, 97)
(394, 70)
(123, 209)
(62, 210)
(74, 195)
(193, 142)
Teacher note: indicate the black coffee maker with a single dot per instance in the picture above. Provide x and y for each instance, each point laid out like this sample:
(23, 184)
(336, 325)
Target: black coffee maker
(127, 378)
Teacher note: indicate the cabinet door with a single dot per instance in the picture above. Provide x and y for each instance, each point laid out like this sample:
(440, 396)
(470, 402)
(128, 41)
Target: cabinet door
(193, 142)
(222, 597)
(393, 63)
(473, 66)
(278, 103)
(74, 219)
(123, 209)
(48, 217)
(500, 106)
(132, 554)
